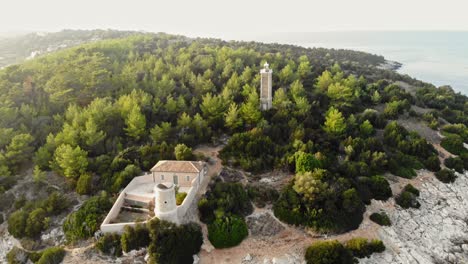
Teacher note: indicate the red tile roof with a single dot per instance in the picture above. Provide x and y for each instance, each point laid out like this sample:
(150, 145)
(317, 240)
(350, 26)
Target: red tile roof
(178, 166)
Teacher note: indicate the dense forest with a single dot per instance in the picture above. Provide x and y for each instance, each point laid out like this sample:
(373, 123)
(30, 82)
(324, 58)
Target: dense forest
(101, 113)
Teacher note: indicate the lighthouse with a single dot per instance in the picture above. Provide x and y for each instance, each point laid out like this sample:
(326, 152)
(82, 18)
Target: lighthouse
(265, 87)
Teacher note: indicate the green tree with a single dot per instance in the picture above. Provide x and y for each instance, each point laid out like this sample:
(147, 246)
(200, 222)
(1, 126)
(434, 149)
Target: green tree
(232, 118)
(306, 162)
(19, 150)
(376, 98)
(93, 136)
(340, 95)
(324, 81)
(135, 123)
(366, 129)
(36, 222)
(311, 184)
(334, 122)
(213, 108)
(281, 101)
(304, 69)
(38, 174)
(250, 110)
(71, 161)
(182, 152)
(84, 184)
(162, 132)
(286, 75)
(297, 90)
(17, 223)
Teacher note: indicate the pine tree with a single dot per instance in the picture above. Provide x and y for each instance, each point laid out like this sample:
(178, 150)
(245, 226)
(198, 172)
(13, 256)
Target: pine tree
(232, 118)
(135, 123)
(334, 122)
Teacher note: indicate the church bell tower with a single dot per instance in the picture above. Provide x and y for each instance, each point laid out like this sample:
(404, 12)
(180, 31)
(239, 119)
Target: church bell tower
(265, 87)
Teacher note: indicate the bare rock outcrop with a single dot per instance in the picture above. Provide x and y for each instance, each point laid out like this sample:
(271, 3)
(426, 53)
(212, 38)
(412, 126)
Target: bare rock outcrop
(263, 224)
(437, 232)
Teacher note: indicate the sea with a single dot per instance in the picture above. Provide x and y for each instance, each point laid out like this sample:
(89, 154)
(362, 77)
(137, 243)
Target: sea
(437, 57)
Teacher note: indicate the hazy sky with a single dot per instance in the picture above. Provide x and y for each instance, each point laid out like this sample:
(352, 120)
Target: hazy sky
(224, 18)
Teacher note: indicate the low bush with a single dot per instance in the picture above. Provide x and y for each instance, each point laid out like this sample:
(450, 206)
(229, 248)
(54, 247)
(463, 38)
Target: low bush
(135, 238)
(453, 144)
(52, 255)
(380, 218)
(110, 244)
(455, 163)
(230, 198)
(410, 188)
(407, 199)
(432, 163)
(227, 231)
(361, 247)
(84, 184)
(17, 256)
(180, 196)
(84, 222)
(380, 188)
(446, 176)
(170, 243)
(328, 252)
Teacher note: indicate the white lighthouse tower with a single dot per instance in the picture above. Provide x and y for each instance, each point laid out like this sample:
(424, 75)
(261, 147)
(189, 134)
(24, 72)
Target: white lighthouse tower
(165, 207)
(265, 87)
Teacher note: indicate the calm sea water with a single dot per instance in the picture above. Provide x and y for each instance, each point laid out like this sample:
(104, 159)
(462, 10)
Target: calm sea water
(440, 58)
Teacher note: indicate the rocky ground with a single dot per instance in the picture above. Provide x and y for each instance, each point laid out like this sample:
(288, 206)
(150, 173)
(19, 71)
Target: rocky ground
(437, 232)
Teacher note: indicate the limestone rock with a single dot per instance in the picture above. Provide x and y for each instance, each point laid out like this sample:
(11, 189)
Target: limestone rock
(263, 224)
(437, 232)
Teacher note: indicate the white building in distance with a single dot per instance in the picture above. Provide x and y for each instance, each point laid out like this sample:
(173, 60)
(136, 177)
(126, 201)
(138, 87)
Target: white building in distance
(154, 195)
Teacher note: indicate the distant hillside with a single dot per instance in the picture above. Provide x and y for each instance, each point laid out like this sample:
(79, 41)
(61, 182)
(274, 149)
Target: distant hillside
(15, 48)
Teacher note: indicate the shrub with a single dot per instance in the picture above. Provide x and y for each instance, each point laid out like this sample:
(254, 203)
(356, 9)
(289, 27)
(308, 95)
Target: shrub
(227, 231)
(381, 219)
(173, 244)
(432, 163)
(230, 198)
(86, 220)
(288, 207)
(55, 203)
(446, 176)
(36, 222)
(410, 188)
(380, 188)
(110, 244)
(407, 199)
(17, 256)
(135, 238)
(52, 255)
(84, 184)
(328, 252)
(17, 223)
(453, 144)
(361, 247)
(180, 196)
(455, 163)
(376, 246)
